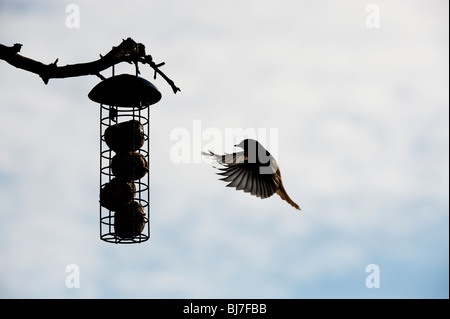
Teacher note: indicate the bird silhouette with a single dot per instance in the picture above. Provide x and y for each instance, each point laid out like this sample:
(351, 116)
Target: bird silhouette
(252, 170)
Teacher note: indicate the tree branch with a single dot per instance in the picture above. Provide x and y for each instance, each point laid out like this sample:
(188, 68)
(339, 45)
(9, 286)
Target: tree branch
(127, 51)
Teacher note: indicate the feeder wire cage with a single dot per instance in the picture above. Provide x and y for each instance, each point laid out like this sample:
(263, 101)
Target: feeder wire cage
(125, 157)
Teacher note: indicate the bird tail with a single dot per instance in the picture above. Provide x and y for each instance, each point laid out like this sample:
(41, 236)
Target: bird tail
(282, 192)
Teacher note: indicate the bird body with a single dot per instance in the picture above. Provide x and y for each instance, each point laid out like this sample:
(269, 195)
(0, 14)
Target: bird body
(253, 170)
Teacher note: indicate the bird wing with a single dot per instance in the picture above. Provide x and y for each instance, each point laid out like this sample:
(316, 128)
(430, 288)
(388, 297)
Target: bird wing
(246, 177)
(260, 181)
(227, 159)
(256, 178)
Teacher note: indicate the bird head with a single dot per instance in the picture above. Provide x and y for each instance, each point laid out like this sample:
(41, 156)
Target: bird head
(244, 144)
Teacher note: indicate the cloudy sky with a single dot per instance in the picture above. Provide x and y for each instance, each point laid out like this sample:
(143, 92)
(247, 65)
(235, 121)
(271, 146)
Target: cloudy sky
(352, 98)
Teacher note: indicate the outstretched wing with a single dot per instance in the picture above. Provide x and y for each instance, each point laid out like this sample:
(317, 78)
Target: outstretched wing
(253, 178)
(228, 159)
(246, 177)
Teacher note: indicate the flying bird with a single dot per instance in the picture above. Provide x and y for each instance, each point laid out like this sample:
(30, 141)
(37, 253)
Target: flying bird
(252, 170)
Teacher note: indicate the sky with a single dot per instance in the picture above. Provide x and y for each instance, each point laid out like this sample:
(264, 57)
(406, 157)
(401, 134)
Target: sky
(350, 96)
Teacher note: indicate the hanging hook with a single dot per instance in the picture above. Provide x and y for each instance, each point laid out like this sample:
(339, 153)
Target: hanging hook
(137, 68)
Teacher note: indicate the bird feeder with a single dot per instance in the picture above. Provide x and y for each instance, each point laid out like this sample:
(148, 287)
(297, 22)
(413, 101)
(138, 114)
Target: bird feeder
(125, 157)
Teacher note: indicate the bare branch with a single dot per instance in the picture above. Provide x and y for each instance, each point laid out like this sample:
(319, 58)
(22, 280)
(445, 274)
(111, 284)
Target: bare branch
(127, 51)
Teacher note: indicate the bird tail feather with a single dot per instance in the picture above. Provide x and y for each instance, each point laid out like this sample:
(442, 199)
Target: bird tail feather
(282, 192)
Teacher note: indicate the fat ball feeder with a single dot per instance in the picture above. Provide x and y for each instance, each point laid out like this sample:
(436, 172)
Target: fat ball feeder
(124, 133)
(124, 157)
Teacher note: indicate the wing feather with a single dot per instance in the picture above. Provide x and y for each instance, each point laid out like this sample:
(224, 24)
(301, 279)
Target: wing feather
(242, 175)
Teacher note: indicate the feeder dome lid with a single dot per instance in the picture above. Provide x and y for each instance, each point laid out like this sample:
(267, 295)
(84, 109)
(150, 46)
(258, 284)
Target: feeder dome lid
(125, 90)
